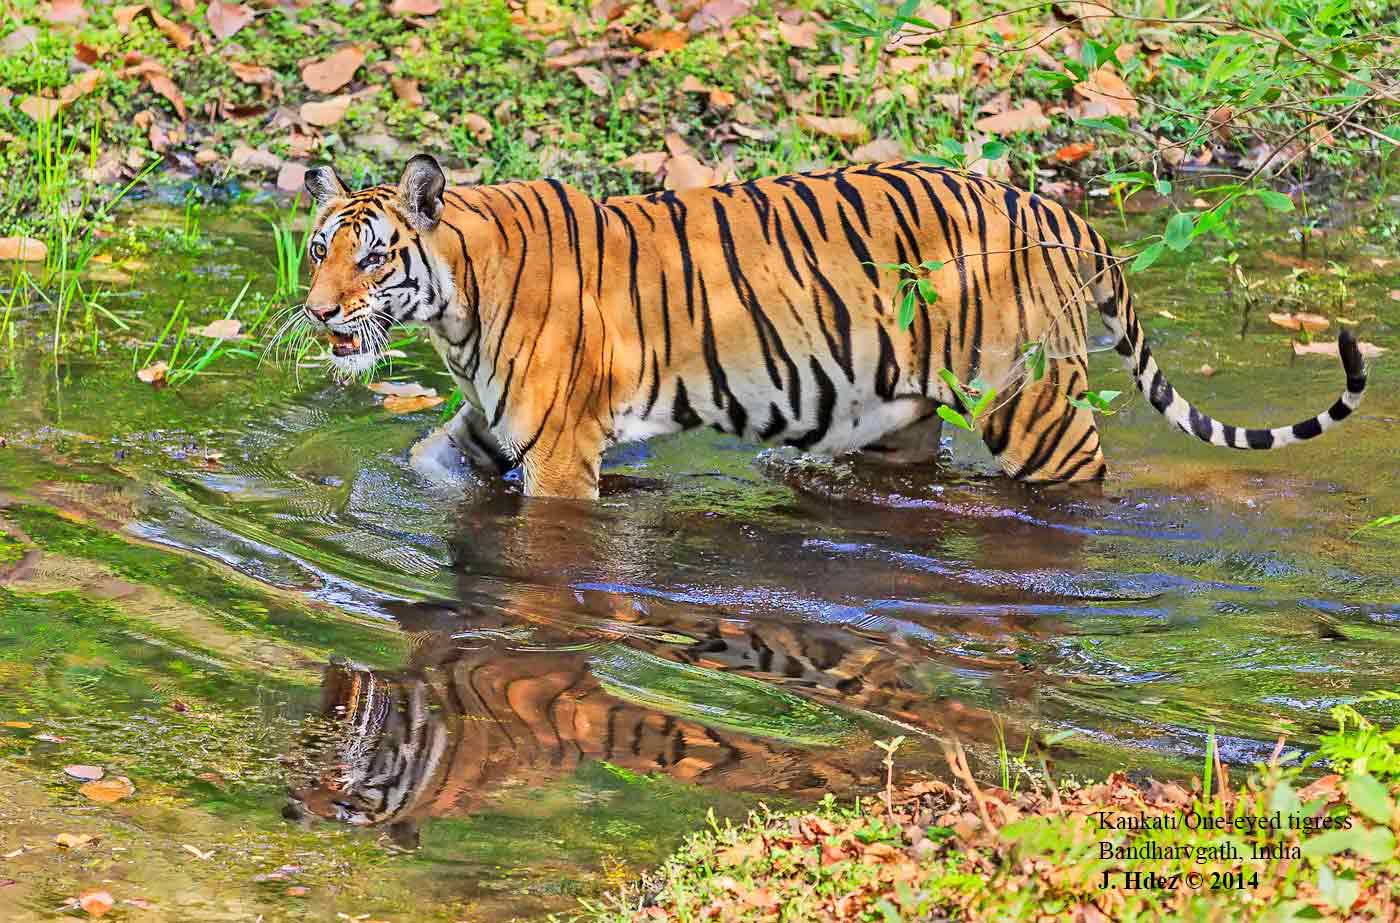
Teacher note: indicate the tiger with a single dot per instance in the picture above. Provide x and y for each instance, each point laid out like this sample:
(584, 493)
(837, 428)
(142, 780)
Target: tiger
(764, 309)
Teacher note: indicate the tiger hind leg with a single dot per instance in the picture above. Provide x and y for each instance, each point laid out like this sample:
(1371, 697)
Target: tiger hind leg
(916, 444)
(1037, 435)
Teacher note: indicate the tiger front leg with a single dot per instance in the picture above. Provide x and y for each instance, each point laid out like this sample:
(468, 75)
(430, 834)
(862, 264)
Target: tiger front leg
(465, 440)
(565, 463)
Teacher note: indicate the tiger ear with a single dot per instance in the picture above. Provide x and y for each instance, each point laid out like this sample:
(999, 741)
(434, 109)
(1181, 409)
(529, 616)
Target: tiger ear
(324, 186)
(421, 191)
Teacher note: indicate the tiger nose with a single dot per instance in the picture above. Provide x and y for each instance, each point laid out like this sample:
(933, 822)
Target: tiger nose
(324, 312)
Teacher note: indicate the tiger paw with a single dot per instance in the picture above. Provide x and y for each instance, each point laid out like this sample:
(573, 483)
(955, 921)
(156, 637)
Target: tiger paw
(438, 459)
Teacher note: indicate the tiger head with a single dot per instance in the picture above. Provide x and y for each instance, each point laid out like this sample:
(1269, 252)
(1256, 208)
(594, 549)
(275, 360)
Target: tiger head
(370, 756)
(375, 261)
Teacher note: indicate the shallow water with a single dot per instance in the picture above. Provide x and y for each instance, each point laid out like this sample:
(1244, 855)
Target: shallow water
(321, 673)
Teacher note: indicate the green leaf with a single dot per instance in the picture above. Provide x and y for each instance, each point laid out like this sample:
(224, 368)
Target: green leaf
(906, 310)
(1035, 360)
(1284, 800)
(1164, 187)
(1370, 797)
(842, 25)
(932, 265)
(955, 386)
(1051, 740)
(1147, 257)
(1179, 230)
(1096, 401)
(1061, 81)
(1113, 123)
(983, 401)
(1132, 176)
(927, 292)
(994, 150)
(1374, 843)
(955, 418)
(1217, 64)
(954, 148)
(1275, 200)
(1341, 891)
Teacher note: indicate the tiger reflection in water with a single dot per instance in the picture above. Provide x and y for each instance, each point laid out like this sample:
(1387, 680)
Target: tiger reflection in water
(476, 708)
(468, 716)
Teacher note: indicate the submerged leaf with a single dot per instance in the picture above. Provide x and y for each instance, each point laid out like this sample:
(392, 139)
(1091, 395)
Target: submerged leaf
(108, 790)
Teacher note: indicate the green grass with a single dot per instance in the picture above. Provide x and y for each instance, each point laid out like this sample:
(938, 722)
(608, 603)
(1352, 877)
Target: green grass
(1325, 848)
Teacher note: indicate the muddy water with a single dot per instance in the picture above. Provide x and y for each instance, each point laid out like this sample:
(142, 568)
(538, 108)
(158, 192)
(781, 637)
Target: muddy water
(337, 689)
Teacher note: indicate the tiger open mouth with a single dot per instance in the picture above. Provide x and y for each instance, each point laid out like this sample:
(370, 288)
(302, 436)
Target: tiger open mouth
(346, 344)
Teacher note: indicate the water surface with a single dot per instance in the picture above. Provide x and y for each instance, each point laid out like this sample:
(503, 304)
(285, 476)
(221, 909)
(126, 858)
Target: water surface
(322, 673)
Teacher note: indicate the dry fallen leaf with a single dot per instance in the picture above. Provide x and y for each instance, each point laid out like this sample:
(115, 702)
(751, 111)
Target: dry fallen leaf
(16, 724)
(1329, 348)
(596, 81)
(1072, 153)
(227, 18)
(108, 790)
(685, 172)
(225, 328)
(65, 11)
(1028, 117)
(39, 108)
(327, 113)
(415, 7)
(1313, 323)
(718, 14)
(480, 128)
(842, 128)
(1207, 371)
(878, 150)
(23, 248)
(154, 374)
(96, 903)
(661, 39)
(1106, 87)
(166, 87)
(334, 72)
(722, 99)
(644, 162)
(86, 773)
(801, 35)
(1395, 294)
(406, 89)
(395, 404)
(255, 74)
(248, 158)
(401, 389)
(24, 36)
(198, 853)
(73, 840)
(179, 35)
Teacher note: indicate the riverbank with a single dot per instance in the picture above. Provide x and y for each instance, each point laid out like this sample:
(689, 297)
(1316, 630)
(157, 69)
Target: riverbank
(1274, 846)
